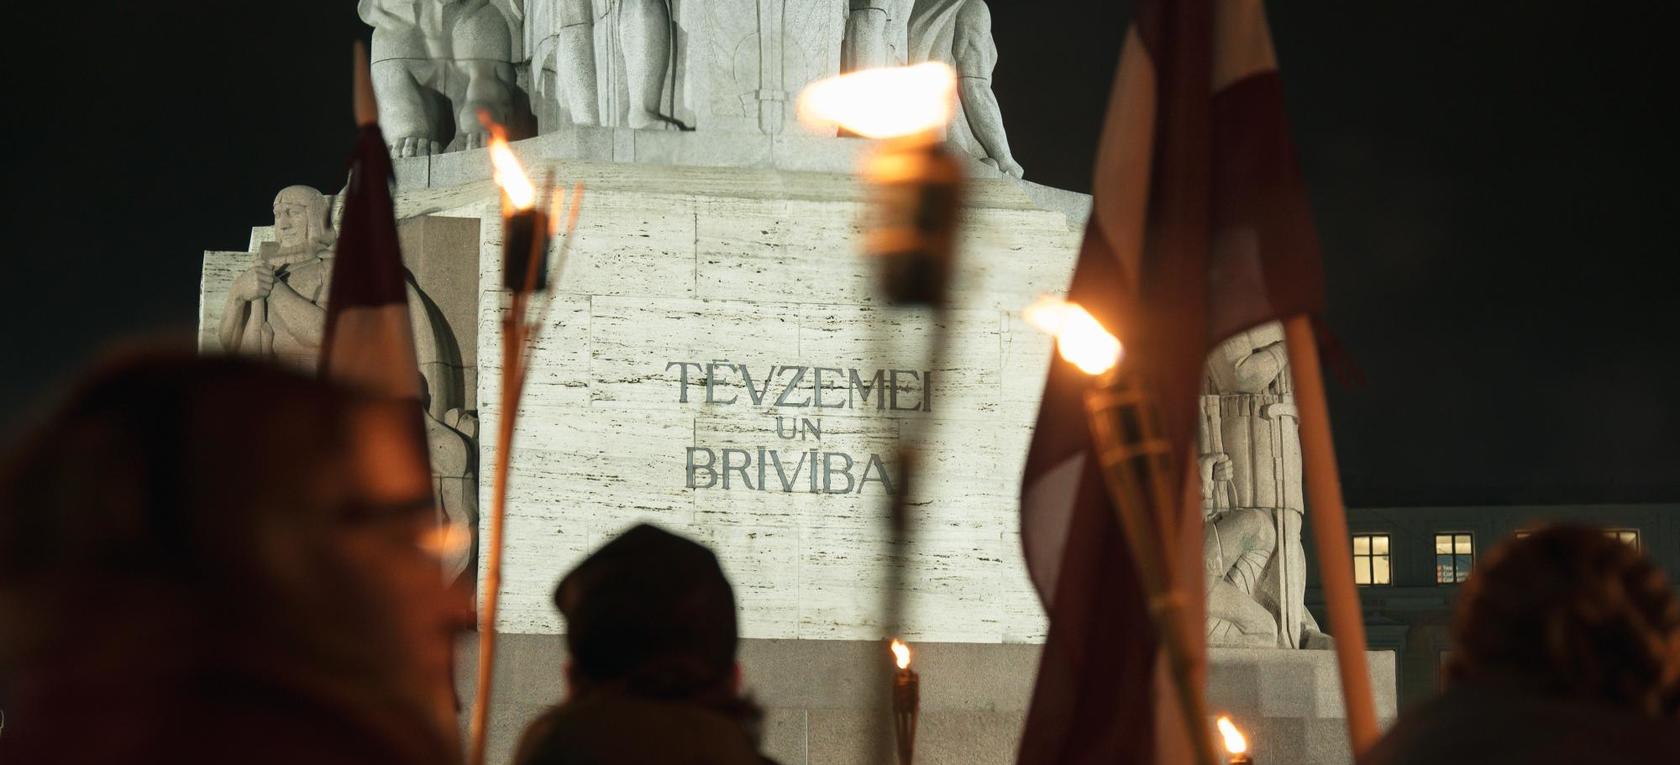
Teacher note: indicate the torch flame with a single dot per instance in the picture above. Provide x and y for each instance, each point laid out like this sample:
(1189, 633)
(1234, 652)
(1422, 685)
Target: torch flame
(887, 102)
(1235, 743)
(901, 653)
(507, 171)
(1080, 338)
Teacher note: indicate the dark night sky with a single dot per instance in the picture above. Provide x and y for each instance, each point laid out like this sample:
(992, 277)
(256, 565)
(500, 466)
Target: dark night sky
(1493, 187)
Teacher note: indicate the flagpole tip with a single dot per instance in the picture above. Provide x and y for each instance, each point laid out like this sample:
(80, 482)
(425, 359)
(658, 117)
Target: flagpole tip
(367, 106)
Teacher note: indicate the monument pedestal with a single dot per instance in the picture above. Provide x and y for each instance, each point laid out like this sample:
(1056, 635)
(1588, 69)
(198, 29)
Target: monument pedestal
(1289, 703)
(974, 698)
(719, 314)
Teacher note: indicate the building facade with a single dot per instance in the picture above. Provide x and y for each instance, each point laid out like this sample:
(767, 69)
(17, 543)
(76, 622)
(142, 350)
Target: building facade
(1408, 563)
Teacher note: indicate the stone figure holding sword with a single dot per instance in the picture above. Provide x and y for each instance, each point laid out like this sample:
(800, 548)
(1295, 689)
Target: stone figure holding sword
(1250, 463)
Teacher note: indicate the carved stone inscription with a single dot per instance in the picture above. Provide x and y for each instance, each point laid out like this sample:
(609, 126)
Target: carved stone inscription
(812, 471)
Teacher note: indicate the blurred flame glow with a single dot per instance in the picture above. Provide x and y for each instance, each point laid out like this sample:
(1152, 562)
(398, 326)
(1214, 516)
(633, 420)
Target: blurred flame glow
(888, 102)
(901, 653)
(1235, 743)
(446, 540)
(507, 171)
(1080, 338)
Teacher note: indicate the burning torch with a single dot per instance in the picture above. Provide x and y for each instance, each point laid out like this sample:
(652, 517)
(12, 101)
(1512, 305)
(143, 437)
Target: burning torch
(527, 229)
(906, 703)
(915, 190)
(1134, 453)
(1235, 742)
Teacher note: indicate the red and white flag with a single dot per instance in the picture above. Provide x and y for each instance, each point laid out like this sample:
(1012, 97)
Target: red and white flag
(369, 341)
(1199, 229)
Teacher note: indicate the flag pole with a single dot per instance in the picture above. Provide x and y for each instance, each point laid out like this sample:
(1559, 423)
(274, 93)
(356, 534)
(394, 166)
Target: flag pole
(1330, 533)
(366, 104)
(1135, 459)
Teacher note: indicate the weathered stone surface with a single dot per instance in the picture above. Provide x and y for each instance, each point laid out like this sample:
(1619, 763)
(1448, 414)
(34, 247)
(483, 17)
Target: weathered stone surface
(216, 276)
(679, 323)
(754, 276)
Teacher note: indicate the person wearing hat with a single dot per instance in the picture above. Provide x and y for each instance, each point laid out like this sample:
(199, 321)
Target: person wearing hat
(652, 674)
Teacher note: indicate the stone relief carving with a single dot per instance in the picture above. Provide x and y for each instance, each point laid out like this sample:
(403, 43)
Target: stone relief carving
(431, 54)
(276, 309)
(1249, 439)
(722, 65)
(959, 33)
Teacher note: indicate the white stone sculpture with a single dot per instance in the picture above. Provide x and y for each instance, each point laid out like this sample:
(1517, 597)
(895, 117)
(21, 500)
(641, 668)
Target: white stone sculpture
(433, 53)
(277, 308)
(1250, 464)
(959, 33)
(875, 34)
(605, 62)
(560, 34)
(644, 32)
(718, 66)
(452, 437)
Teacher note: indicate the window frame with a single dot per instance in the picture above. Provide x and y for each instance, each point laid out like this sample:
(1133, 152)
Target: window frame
(1627, 535)
(1453, 537)
(1368, 559)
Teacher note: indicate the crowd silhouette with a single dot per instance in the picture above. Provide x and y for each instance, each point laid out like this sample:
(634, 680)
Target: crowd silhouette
(217, 560)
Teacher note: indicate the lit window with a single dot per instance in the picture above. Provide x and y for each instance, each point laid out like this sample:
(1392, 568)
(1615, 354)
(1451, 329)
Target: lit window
(1523, 533)
(1627, 536)
(1370, 559)
(1454, 553)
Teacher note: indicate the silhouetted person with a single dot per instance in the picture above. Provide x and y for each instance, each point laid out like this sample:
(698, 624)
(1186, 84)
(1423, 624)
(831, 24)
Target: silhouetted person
(652, 675)
(1566, 649)
(217, 561)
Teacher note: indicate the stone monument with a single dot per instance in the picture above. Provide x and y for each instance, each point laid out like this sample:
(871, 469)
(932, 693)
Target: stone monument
(959, 34)
(1250, 446)
(436, 64)
(875, 34)
(277, 308)
(717, 360)
(726, 67)
(560, 35)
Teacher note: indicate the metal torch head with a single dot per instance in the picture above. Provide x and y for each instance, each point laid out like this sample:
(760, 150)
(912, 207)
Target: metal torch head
(915, 187)
(525, 237)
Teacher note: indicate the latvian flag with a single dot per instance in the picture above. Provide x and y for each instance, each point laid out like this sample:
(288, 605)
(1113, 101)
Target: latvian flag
(369, 342)
(1199, 229)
